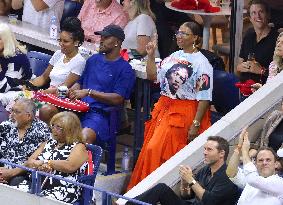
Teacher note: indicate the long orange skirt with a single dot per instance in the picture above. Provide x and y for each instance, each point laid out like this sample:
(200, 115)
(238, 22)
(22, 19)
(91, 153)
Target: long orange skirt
(165, 134)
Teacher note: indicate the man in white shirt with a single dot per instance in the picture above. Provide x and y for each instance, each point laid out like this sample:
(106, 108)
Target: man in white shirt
(39, 12)
(260, 183)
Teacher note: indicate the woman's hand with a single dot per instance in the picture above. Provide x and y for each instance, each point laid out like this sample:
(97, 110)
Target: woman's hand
(151, 46)
(193, 133)
(34, 164)
(77, 94)
(255, 87)
(50, 91)
(150, 49)
(45, 168)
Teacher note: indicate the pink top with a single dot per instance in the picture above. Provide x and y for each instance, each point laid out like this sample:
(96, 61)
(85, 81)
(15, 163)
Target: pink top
(95, 20)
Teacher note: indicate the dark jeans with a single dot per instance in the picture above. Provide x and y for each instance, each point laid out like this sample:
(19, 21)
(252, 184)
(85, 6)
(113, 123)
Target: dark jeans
(15, 181)
(160, 193)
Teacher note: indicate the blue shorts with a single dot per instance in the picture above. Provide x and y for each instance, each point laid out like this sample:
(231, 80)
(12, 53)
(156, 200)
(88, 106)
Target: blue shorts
(98, 122)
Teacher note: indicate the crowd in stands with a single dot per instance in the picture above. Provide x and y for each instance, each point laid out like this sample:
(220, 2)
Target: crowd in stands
(55, 142)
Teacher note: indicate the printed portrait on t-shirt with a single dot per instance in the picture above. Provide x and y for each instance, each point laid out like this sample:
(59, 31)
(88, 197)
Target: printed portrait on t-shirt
(176, 76)
(203, 82)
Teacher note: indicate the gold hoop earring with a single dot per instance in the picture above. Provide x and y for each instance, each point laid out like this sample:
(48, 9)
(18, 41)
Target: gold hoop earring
(194, 45)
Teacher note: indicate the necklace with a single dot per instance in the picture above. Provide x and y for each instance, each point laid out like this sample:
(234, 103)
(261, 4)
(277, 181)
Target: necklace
(67, 59)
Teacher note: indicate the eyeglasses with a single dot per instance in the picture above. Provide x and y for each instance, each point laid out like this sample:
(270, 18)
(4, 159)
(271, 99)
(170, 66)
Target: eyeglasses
(56, 127)
(182, 33)
(17, 112)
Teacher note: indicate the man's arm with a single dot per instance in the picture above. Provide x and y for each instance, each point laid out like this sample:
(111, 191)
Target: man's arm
(220, 191)
(234, 162)
(107, 98)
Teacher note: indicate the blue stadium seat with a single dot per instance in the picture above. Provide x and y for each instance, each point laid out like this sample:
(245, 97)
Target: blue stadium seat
(225, 95)
(38, 61)
(114, 114)
(71, 8)
(86, 197)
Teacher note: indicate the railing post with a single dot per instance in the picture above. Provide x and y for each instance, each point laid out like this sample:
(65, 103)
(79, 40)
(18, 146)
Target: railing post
(106, 198)
(33, 182)
(38, 183)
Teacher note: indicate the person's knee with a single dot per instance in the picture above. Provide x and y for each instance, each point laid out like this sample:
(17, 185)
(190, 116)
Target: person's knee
(89, 135)
(162, 186)
(46, 112)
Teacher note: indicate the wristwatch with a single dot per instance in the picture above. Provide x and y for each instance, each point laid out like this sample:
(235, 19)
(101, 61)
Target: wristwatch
(192, 183)
(196, 123)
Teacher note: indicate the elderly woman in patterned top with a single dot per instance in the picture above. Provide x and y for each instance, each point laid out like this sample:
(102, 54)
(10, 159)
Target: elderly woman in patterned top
(64, 156)
(19, 138)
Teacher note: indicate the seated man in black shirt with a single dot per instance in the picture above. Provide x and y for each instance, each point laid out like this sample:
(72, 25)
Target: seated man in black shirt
(258, 44)
(210, 186)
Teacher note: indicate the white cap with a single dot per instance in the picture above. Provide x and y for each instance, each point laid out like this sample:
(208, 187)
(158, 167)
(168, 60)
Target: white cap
(280, 152)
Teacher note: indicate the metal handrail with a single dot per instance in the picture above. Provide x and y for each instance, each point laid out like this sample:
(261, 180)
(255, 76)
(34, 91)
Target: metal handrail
(36, 184)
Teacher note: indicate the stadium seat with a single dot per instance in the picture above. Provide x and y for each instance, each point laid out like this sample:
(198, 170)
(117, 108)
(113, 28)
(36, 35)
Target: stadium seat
(38, 62)
(89, 179)
(71, 8)
(225, 95)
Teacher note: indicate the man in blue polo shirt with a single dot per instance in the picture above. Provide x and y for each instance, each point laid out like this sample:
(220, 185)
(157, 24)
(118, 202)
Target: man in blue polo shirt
(106, 81)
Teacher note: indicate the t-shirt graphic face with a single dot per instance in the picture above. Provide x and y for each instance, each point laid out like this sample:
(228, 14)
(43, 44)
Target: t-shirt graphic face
(175, 77)
(185, 76)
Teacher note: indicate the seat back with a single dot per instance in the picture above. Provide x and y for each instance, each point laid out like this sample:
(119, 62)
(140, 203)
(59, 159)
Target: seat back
(225, 95)
(109, 146)
(71, 8)
(96, 152)
(114, 113)
(86, 197)
(38, 62)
